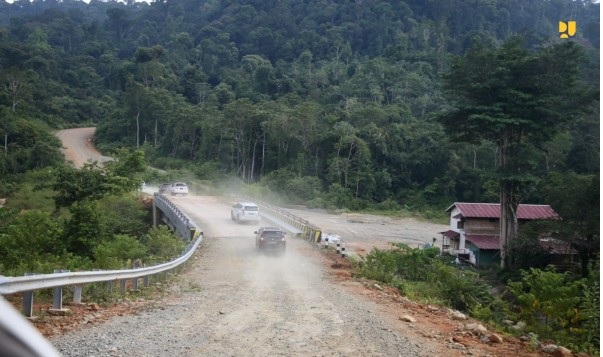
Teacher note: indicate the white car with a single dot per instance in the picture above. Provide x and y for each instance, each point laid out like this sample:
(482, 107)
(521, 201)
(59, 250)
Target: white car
(179, 188)
(245, 211)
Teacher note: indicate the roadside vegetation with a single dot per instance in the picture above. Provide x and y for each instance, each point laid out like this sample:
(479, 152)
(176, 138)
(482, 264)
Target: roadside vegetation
(93, 218)
(558, 306)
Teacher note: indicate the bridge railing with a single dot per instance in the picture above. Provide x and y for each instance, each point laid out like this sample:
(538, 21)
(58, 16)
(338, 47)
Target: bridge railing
(296, 225)
(32, 282)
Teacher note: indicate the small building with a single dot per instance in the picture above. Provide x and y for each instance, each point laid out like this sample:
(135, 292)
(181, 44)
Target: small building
(561, 253)
(474, 234)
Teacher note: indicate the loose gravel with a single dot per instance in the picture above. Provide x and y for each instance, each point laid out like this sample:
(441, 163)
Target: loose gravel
(234, 301)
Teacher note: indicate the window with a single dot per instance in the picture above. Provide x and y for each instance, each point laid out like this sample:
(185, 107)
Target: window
(460, 224)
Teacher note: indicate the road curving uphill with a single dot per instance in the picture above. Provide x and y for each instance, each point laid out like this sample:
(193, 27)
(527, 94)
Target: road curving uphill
(78, 146)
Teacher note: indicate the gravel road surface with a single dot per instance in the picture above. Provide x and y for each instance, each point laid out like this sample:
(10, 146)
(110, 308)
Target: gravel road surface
(234, 301)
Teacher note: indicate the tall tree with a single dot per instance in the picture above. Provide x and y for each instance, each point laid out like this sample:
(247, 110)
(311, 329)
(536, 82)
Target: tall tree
(515, 98)
(576, 198)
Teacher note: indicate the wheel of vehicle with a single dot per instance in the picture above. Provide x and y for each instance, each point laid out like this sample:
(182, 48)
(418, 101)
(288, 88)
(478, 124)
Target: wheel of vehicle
(232, 216)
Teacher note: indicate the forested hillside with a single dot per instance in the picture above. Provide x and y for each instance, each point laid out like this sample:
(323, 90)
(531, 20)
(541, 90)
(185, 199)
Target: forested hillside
(390, 105)
(310, 98)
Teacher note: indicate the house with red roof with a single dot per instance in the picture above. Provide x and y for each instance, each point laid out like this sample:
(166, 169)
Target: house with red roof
(474, 233)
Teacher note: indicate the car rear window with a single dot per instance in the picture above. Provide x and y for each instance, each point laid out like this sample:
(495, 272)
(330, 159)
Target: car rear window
(181, 184)
(251, 208)
(272, 234)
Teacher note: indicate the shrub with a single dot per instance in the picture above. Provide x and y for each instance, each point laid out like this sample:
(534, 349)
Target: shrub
(387, 205)
(419, 273)
(31, 243)
(461, 289)
(379, 265)
(116, 253)
(549, 302)
(302, 188)
(163, 245)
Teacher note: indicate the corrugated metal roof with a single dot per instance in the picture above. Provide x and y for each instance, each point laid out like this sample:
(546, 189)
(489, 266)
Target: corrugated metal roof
(492, 210)
(486, 242)
(450, 233)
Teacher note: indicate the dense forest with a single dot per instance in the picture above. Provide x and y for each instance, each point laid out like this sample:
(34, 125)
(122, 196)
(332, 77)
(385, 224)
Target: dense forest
(303, 96)
(328, 103)
(366, 104)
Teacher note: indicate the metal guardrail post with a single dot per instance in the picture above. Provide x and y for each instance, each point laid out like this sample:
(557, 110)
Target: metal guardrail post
(145, 281)
(122, 285)
(77, 294)
(135, 283)
(57, 294)
(57, 298)
(28, 298)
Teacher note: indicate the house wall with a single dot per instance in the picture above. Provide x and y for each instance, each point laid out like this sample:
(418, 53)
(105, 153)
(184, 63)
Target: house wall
(454, 221)
(460, 244)
(482, 226)
(484, 258)
(454, 244)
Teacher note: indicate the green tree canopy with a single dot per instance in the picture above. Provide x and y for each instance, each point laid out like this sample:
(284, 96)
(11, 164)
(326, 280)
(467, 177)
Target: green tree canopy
(515, 98)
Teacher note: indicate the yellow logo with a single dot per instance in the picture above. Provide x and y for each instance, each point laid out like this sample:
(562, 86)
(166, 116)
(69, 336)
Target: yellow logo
(567, 30)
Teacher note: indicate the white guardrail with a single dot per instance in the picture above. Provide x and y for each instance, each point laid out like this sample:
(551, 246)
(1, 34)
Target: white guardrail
(29, 283)
(12, 285)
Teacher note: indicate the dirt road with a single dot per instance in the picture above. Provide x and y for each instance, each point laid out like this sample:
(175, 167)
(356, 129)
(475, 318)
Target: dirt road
(234, 301)
(78, 147)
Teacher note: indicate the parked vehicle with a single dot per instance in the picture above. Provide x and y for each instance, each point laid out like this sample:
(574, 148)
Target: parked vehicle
(245, 211)
(270, 239)
(164, 187)
(179, 188)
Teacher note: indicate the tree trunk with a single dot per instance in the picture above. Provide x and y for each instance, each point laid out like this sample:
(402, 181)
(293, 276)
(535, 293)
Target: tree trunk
(508, 206)
(263, 153)
(155, 135)
(137, 129)
(252, 169)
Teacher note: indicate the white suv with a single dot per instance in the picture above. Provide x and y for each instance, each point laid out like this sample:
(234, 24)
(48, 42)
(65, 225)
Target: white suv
(245, 211)
(179, 188)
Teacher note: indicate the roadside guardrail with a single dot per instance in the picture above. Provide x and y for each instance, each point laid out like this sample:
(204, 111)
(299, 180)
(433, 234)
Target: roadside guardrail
(294, 225)
(32, 282)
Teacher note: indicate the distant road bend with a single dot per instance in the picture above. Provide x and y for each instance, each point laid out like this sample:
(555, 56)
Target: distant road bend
(78, 147)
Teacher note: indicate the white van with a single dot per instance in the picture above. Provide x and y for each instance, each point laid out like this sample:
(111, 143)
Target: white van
(245, 211)
(179, 188)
